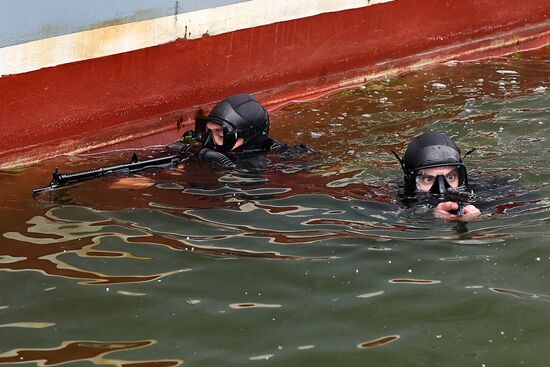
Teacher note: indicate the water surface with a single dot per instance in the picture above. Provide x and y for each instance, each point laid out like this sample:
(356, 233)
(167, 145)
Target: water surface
(302, 262)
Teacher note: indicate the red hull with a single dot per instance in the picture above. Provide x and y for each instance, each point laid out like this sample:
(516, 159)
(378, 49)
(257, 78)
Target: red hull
(101, 101)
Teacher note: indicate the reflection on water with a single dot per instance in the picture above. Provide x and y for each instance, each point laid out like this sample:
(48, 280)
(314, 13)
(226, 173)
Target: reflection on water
(520, 294)
(415, 281)
(308, 260)
(378, 342)
(76, 351)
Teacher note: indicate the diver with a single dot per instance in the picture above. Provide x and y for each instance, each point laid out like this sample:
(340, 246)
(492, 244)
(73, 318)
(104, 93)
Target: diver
(433, 165)
(236, 128)
(238, 124)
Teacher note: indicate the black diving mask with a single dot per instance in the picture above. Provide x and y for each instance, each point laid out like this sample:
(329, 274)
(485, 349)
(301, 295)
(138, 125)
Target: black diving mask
(438, 183)
(205, 135)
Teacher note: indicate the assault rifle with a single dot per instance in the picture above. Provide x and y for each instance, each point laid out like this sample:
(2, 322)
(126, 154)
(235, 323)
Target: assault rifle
(459, 196)
(215, 158)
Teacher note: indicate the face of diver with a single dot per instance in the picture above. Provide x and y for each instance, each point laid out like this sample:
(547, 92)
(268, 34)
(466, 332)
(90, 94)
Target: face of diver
(427, 177)
(217, 134)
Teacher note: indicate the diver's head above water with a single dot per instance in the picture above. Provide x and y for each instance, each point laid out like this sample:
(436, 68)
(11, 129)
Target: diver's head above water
(432, 163)
(238, 123)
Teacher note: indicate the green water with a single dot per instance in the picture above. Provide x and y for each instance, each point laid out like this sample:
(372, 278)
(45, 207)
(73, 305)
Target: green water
(305, 262)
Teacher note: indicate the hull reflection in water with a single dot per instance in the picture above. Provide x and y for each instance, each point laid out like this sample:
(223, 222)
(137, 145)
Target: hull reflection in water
(94, 352)
(60, 237)
(378, 342)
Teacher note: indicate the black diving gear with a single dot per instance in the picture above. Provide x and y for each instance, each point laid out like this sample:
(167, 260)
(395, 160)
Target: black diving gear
(440, 185)
(431, 150)
(433, 165)
(240, 116)
(216, 159)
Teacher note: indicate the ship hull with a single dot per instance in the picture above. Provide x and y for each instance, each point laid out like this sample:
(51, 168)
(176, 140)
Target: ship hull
(50, 106)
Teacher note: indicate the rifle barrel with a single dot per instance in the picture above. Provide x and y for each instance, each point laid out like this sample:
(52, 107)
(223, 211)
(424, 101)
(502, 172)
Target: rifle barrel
(63, 179)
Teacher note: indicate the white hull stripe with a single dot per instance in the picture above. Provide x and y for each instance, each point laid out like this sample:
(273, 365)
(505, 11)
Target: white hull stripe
(122, 38)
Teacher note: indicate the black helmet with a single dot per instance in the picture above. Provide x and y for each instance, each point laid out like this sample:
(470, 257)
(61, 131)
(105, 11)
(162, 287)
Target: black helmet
(429, 150)
(241, 116)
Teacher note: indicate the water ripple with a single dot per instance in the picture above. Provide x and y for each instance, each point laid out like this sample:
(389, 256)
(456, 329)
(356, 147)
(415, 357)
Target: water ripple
(378, 342)
(94, 352)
